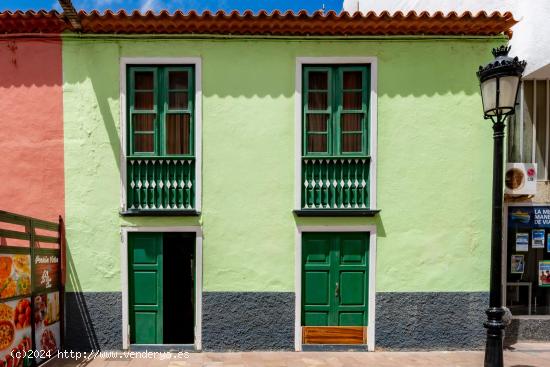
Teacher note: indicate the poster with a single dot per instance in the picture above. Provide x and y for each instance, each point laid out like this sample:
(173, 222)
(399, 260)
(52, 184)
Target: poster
(46, 271)
(47, 325)
(548, 243)
(544, 273)
(517, 264)
(15, 331)
(15, 275)
(529, 217)
(537, 238)
(522, 241)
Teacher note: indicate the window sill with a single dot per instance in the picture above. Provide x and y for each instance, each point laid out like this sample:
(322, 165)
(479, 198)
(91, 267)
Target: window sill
(160, 213)
(336, 212)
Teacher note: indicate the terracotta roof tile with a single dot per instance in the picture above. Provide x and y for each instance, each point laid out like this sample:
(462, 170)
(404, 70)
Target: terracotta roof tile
(40, 21)
(263, 23)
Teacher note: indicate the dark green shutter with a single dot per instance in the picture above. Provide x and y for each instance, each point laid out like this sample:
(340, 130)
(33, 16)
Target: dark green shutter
(145, 283)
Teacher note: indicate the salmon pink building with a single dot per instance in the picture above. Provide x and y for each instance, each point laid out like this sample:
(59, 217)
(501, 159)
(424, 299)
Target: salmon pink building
(31, 101)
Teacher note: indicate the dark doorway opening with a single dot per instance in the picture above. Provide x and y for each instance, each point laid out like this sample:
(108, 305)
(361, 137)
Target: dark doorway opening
(179, 288)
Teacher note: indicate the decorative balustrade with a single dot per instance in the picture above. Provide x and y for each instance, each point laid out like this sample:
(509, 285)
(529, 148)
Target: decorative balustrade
(160, 184)
(335, 183)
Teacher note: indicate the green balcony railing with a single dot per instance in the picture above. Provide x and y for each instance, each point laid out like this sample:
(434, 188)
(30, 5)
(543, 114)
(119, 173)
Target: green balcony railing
(335, 183)
(160, 184)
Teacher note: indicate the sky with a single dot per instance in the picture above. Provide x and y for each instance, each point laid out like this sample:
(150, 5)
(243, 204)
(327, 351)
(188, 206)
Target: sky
(172, 5)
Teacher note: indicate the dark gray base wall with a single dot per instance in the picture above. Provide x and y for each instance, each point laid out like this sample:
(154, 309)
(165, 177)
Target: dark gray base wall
(430, 320)
(527, 329)
(93, 321)
(240, 321)
(265, 321)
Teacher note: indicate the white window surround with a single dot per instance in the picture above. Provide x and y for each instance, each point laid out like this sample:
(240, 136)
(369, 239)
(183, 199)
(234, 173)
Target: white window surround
(124, 278)
(300, 62)
(197, 63)
(371, 229)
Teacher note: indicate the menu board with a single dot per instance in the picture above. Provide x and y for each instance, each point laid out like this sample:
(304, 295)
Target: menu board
(15, 331)
(15, 279)
(46, 270)
(47, 323)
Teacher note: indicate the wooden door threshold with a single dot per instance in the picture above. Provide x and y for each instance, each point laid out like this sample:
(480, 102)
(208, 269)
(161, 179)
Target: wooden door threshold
(333, 335)
(335, 348)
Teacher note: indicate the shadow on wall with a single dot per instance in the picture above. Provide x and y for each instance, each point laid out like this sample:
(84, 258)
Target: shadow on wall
(93, 319)
(266, 68)
(356, 221)
(263, 69)
(405, 68)
(107, 114)
(79, 325)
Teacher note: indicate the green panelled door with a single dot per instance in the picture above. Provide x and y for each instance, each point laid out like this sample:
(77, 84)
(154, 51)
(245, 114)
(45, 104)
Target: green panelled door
(145, 281)
(335, 279)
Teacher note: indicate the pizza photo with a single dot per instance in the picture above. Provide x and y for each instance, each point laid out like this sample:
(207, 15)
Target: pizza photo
(7, 333)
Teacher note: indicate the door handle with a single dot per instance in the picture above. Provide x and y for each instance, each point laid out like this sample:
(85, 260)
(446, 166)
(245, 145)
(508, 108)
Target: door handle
(337, 290)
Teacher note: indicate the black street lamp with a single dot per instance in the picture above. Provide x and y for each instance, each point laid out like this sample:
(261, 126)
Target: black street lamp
(499, 81)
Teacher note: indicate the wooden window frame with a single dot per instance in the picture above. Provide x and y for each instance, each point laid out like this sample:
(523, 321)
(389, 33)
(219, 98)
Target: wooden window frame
(161, 91)
(335, 110)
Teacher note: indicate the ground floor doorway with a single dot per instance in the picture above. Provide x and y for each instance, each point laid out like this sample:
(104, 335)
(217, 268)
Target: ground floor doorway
(161, 288)
(335, 287)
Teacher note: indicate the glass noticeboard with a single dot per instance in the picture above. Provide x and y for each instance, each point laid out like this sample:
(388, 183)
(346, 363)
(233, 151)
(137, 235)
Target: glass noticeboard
(528, 260)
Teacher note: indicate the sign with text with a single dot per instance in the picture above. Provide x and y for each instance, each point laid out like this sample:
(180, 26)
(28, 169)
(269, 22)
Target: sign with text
(529, 216)
(46, 270)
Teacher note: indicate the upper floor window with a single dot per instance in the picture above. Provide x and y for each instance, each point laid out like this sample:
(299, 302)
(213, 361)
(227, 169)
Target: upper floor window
(335, 137)
(160, 141)
(161, 111)
(335, 111)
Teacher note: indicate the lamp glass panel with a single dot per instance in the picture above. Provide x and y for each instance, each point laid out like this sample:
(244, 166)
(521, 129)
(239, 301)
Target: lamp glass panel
(489, 96)
(508, 89)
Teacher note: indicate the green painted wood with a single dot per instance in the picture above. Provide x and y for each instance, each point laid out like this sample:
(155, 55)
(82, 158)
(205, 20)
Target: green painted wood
(336, 183)
(162, 180)
(334, 178)
(335, 279)
(145, 293)
(161, 108)
(160, 184)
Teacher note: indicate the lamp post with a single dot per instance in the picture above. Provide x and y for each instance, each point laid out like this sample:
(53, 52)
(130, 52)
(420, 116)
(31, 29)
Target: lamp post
(499, 81)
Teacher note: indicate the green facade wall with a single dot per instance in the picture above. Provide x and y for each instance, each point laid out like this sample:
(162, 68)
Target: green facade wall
(434, 161)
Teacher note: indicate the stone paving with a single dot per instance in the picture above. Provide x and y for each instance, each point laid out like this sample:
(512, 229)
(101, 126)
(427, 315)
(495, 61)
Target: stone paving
(525, 355)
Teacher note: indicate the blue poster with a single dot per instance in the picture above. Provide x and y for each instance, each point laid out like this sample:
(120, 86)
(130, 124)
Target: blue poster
(548, 243)
(537, 238)
(528, 217)
(522, 242)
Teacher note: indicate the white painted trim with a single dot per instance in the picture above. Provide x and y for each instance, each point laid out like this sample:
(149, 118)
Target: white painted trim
(198, 277)
(371, 229)
(534, 142)
(197, 62)
(300, 61)
(521, 122)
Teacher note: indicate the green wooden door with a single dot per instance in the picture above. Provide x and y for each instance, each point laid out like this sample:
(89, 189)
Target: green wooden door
(335, 279)
(145, 282)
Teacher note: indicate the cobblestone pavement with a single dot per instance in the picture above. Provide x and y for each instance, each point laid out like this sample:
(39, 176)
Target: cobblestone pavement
(525, 355)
